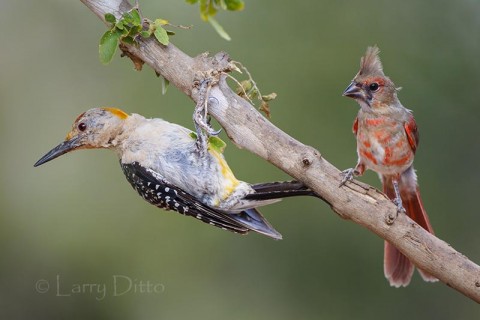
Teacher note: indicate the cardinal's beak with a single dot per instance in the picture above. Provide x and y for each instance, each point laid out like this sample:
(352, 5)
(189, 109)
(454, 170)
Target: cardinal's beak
(354, 90)
(64, 147)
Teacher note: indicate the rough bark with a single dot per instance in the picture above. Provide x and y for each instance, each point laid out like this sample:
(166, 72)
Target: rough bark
(249, 130)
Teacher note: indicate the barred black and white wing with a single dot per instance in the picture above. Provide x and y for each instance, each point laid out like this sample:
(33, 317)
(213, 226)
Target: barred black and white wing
(159, 192)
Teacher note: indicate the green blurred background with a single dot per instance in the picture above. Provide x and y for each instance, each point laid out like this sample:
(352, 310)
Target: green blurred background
(77, 220)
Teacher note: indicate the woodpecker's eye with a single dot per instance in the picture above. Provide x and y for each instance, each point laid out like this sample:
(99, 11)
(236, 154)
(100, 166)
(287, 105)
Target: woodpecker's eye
(373, 86)
(82, 126)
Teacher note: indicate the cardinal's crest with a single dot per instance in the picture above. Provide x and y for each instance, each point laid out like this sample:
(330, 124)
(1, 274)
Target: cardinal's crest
(370, 64)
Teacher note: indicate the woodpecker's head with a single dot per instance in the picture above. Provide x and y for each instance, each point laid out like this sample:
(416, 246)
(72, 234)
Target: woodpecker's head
(95, 128)
(370, 87)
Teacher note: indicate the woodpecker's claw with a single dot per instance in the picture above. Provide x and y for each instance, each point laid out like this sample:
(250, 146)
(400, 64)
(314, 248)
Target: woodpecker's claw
(348, 175)
(211, 131)
(216, 133)
(199, 117)
(202, 124)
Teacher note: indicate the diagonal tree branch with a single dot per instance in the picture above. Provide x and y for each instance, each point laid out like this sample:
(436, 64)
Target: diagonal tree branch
(248, 129)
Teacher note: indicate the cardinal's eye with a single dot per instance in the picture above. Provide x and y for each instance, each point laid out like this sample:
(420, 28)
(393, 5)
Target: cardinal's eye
(82, 126)
(373, 86)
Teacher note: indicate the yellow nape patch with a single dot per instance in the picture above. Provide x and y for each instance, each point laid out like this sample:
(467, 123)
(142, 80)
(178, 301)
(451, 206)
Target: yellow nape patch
(117, 112)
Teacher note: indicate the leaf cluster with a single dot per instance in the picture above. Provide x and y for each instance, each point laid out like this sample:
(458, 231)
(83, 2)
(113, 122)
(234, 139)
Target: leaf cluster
(127, 30)
(209, 8)
(248, 89)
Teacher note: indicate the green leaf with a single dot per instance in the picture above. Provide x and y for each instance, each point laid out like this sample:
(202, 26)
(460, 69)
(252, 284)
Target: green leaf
(136, 20)
(204, 9)
(124, 32)
(193, 135)
(160, 22)
(234, 5)
(145, 34)
(165, 84)
(269, 97)
(134, 31)
(119, 25)
(127, 18)
(244, 88)
(161, 35)
(207, 9)
(216, 144)
(128, 40)
(191, 1)
(219, 29)
(222, 4)
(108, 46)
(110, 18)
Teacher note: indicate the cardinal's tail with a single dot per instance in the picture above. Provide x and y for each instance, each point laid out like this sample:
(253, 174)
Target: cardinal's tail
(398, 269)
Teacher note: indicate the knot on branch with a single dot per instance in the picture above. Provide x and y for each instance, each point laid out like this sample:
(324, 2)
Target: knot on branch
(306, 162)
(391, 217)
(310, 156)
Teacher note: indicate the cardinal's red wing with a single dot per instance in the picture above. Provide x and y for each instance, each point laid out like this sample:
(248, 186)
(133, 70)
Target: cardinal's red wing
(355, 126)
(412, 133)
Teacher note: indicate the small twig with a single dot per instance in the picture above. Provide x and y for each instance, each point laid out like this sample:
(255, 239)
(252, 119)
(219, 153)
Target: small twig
(254, 87)
(245, 95)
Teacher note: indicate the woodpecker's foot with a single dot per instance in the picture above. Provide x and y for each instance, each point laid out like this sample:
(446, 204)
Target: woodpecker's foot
(212, 101)
(348, 175)
(201, 143)
(201, 109)
(201, 118)
(201, 122)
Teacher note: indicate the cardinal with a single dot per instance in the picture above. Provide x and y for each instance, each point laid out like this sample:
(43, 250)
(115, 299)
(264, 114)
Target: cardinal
(387, 139)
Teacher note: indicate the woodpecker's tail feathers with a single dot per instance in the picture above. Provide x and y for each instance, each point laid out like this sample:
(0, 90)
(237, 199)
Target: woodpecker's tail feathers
(398, 269)
(253, 219)
(278, 190)
(271, 192)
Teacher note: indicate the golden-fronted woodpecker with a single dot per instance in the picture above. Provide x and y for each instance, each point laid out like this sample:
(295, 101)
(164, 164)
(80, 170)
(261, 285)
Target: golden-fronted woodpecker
(162, 162)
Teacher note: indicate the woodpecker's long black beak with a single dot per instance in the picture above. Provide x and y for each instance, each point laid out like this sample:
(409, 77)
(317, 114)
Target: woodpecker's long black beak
(62, 148)
(354, 90)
